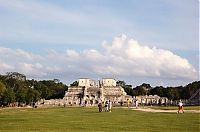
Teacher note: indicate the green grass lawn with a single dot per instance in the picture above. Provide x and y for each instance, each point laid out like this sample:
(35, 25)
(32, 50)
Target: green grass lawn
(89, 119)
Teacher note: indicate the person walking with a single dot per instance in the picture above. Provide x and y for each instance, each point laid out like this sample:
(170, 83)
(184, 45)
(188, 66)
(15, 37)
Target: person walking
(180, 107)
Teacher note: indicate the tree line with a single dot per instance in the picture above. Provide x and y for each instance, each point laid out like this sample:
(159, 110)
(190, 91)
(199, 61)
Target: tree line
(172, 93)
(14, 88)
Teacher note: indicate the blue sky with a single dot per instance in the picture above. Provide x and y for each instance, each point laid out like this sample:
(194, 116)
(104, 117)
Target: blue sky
(45, 27)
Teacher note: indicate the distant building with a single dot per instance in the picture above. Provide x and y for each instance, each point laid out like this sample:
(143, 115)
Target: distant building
(89, 91)
(151, 99)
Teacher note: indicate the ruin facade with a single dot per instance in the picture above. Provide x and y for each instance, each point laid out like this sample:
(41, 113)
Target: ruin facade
(89, 91)
(151, 99)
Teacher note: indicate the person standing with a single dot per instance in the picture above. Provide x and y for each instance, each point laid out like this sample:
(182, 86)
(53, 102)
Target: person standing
(128, 103)
(136, 103)
(100, 105)
(109, 105)
(106, 106)
(143, 103)
(121, 103)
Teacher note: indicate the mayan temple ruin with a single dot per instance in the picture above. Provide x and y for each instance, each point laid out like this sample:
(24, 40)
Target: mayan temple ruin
(89, 91)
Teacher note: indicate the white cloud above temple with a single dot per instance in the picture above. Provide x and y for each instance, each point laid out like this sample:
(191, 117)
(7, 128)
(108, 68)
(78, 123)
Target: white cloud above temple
(123, 57)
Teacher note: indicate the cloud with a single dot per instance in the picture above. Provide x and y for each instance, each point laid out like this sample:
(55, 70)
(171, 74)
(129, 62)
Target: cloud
(132, 58)
(5, 67)
(123, 57)
(72, 54)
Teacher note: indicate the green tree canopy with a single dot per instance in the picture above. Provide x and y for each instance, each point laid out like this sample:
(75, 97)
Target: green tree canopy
(75, 83)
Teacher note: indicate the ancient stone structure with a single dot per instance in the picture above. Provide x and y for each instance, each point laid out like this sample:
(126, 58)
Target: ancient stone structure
(89, 91)
(151, 99)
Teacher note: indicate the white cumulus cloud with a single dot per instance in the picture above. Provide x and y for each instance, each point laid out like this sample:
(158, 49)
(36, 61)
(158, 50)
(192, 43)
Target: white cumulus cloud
(124, 57)
(131, 58)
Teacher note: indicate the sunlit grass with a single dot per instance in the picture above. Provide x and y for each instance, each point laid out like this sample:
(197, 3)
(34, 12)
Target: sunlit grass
(89, 119)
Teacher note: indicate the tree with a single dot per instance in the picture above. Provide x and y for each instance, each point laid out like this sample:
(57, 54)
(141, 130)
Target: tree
(158, 90)
(2, 89)
(56, 80)
(143, 89)
(36, 96)
(75, 83)
(42, 89)
(127, 88)
(16, 75)
(146, 86)
(8, 97)
(192, 88)
(120, 83)
(32, 96)
(29, 96)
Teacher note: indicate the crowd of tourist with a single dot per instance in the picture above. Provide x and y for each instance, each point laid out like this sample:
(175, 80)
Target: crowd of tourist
(107, 105)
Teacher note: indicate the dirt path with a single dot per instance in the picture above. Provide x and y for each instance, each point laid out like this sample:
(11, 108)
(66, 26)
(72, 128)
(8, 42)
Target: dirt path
(168, 111)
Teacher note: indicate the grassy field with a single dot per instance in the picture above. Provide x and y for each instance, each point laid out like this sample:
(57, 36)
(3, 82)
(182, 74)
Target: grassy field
(89, 119)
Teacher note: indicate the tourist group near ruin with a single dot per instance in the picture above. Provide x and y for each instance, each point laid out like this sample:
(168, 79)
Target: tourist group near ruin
(88, 92)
